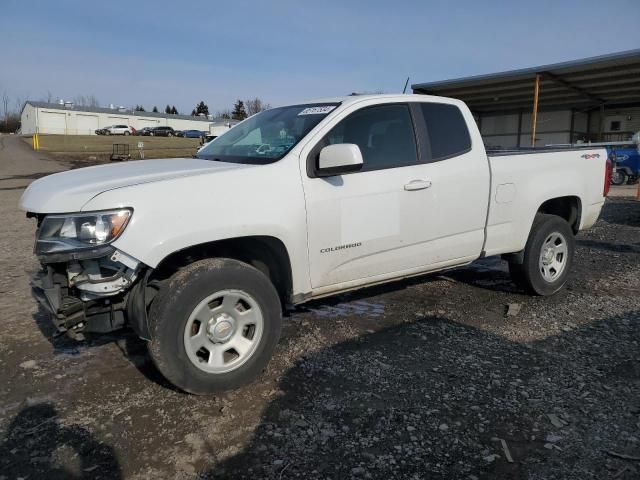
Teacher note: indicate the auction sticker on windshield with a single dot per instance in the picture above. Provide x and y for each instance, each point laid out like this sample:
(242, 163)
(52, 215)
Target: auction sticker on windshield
(321, 110)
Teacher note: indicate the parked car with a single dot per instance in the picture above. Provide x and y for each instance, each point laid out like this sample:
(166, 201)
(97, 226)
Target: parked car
(116, 130)
(198, 257)
(193, 134)
(145, 131)
(627, 164)
(162, 132)
(204, 141)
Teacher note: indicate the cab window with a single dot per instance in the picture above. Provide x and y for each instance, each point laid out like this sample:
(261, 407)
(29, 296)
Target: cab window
(447, 132)
(384, 134)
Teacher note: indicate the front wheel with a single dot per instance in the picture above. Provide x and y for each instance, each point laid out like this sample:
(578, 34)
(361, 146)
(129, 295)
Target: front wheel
(548, 256)
(214, 325)
(127, 133)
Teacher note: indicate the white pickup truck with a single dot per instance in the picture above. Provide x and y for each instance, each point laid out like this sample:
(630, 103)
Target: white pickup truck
(201, 256)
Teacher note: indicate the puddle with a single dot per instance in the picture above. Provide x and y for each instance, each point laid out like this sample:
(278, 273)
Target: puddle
(360, 307)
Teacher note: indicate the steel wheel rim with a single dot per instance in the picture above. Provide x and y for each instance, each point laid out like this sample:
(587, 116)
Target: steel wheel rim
(617, 178)
(553, 257)
(223, 331)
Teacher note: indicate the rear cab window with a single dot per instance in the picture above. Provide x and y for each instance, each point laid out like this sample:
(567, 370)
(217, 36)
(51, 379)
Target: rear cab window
(444, 132)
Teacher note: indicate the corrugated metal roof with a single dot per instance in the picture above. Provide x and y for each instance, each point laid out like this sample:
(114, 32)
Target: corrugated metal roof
(612, 79)
(116, 111)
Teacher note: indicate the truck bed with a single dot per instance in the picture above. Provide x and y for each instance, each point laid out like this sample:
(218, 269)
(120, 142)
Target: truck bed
(498, 152)
(523, 179)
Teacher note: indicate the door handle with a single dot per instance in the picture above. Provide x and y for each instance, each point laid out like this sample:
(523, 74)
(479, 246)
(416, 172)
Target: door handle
(417, 185)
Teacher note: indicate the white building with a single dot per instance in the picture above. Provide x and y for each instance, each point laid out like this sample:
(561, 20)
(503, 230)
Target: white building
(67, 119)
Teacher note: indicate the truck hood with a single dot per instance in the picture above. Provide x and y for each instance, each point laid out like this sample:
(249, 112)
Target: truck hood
(69, 191)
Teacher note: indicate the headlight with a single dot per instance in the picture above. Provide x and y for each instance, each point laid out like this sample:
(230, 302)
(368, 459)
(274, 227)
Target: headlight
(78, 231)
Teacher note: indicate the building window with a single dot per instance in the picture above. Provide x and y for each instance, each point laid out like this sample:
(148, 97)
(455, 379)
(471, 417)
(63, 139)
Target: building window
(615, 126)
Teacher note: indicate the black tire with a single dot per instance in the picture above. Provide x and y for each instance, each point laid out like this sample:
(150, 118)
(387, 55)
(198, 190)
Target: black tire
(528, 275)
(181, 294)
(169, 134)
(127, 133)
(619, 177)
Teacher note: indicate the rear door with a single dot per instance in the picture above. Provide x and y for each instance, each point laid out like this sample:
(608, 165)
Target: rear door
(458, 167)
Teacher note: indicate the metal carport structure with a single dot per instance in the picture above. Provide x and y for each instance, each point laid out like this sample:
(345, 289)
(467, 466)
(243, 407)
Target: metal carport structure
(595, 83)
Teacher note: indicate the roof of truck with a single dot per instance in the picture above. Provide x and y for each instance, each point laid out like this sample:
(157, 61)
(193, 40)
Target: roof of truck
(358, 98)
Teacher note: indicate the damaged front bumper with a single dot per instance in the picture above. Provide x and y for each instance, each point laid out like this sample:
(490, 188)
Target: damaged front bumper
(97, 295)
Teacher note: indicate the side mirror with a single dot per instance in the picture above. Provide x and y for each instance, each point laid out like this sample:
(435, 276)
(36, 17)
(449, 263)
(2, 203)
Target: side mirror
(338, 159)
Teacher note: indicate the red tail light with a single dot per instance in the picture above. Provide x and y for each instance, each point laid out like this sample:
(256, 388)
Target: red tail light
(608, 172)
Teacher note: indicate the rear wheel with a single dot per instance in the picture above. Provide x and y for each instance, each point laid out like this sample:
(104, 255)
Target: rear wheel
(214, 325)
(619, 177)
(548, 256)
(126, 132)
(169, 134)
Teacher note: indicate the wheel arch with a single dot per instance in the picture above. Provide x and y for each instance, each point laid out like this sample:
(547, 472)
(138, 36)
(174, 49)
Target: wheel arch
(266, 253)
(625, 169)
(567, 207)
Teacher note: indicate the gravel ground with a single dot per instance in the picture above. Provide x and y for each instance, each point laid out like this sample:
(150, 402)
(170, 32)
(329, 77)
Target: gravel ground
(457, 375)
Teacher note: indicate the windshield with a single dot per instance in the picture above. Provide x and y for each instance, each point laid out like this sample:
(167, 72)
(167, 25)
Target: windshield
(267, 136)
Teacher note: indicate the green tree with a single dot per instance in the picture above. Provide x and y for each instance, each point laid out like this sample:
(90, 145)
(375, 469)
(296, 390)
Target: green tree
(174, 110)
(239, 112)
(155, 109)
(139, 108)
(167, 109)
(202, 108)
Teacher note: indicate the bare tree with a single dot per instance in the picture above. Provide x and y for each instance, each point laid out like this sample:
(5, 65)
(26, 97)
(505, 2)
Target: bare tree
(92, 101)
(80, 100)
(5, 103)
(5, 108)
(19, 102)
(11, 117)
(223, 113)
(255, 105)
(86, 101)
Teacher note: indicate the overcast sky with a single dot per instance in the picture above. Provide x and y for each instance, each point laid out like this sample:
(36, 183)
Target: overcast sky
(181, 52)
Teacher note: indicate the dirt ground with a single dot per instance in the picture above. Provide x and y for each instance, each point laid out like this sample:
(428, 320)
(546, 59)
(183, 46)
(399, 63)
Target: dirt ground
(428, 378)
(92, 149)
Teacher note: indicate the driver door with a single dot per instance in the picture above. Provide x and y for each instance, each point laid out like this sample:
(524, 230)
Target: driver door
(378, 221)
